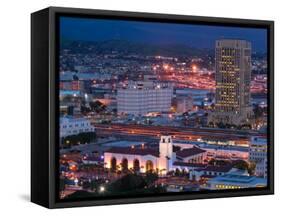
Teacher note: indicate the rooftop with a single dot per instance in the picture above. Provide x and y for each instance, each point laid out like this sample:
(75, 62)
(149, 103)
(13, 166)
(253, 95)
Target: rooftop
(240, 179)
(258, 141)
(180, 163)
(189, 152)
(73, 119)
(134, 151)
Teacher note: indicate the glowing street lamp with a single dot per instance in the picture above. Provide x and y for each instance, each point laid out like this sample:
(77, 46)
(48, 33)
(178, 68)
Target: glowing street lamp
(76, 181)
(165, 66)
(194, 67)
(102, 189)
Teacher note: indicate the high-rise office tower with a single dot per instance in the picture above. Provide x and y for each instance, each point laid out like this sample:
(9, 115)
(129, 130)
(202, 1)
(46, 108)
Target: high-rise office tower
(233, 78)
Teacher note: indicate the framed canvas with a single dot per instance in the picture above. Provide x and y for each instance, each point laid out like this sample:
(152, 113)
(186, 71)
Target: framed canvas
(138, 107)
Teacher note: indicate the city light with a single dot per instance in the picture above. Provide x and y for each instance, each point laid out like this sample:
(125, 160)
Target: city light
(166, 67)
(194, 68)
(102, 189)
(173, 114)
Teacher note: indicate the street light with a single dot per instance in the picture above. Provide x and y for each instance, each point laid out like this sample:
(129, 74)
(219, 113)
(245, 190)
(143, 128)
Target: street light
(76, 181)
(102, 189)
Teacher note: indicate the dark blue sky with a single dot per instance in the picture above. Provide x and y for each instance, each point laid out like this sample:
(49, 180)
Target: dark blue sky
(201, 36)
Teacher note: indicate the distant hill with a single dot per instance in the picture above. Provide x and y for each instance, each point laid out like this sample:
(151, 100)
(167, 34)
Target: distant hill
(127, 47)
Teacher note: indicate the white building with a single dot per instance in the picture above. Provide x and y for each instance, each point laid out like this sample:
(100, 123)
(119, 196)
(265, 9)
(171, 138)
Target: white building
(144, 159)
(140, 98)
(258, 155)
(72, 126)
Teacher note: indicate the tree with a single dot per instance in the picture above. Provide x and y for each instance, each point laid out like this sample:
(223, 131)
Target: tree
(258, 111)
(183, 172)
(211, 124)
(221, 125)
(251, 168)
(177, 172)
(97, 106)
(246, 126)
(215, 162)
(80, 138)
(127, 183)
(94, 185)
(150, 177)
(171, 173)
(85, 109)
(241, 164)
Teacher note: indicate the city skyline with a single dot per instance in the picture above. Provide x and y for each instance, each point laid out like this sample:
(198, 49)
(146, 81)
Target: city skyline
(143, 123)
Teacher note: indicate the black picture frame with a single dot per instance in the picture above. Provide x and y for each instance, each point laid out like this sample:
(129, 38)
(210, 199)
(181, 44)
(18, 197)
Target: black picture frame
(44, 104)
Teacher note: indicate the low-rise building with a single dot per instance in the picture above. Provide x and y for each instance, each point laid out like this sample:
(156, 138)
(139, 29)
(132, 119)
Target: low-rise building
(209, 171)
(234, 181)
(71, 126)
(184, 104)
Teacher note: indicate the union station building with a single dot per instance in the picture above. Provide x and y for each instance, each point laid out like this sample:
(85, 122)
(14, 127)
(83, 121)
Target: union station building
(163, 159)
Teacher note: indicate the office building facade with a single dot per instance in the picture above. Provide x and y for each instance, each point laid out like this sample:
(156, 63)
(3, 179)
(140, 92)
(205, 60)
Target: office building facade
(233, 77)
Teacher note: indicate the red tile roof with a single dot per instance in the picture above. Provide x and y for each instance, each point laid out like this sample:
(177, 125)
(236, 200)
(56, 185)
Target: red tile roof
(134, 151)
(189, 152)
(180, 163)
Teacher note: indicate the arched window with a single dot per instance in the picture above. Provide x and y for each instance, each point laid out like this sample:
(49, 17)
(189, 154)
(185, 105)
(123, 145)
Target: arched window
(149, 165)
(113, 164)
(124, 164)
(136, 165)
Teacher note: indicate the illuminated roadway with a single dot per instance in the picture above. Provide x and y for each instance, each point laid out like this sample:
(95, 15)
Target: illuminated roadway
(178, 132)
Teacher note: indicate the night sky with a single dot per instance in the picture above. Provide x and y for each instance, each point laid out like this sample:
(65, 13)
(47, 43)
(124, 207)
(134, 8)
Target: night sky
(201, 36)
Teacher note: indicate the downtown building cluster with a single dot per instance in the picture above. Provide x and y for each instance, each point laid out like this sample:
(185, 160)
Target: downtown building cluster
(121, 108)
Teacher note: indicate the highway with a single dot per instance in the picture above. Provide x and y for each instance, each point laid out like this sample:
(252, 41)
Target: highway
(177, 132)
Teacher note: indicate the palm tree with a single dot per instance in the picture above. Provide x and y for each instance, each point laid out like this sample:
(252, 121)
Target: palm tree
(162, 171)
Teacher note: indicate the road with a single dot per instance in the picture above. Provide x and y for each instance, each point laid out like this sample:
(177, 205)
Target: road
(177, 132)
